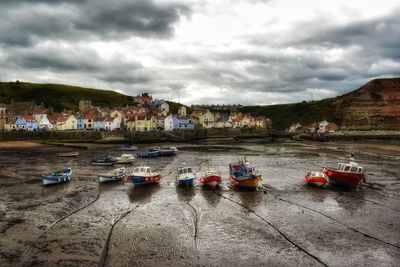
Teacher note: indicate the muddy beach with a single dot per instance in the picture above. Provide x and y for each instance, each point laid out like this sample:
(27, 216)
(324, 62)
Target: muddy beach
(82, 223)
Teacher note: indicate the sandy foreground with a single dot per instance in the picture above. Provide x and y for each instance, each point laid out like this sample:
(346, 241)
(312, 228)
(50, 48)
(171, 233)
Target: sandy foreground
(84, 223)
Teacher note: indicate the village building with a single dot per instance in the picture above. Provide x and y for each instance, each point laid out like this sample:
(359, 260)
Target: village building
(322, 126)
(247, 121)
(205, 118)
(182, 111)
(172, 122)
(3, 116)
(331, 127)
(64, 121)
(89, 117)
(294, 127)
(223, 122)
(85, 105)
(144, 98)
(162, 106)
(261, 122)
(142, 123)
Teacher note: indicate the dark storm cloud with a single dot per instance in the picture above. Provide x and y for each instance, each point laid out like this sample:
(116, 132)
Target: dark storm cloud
(29, 22)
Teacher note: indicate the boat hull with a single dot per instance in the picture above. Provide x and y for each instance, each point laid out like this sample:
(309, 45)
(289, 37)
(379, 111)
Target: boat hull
(148, 154)
(186, 182)
(103, 163)
(344, 179)
(250, 184)
(319, 181)
(211, 181)
(143, 180)
(49, 180)
(104, 179)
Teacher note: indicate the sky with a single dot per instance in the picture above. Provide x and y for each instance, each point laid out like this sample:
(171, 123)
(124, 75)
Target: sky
(252, 52)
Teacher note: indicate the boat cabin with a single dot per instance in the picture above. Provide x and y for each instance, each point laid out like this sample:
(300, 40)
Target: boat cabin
(315, 174)
(350, 167)
(183, 170)
(142, 170)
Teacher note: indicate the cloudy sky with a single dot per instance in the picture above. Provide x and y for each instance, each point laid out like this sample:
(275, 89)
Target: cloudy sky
(205, 51)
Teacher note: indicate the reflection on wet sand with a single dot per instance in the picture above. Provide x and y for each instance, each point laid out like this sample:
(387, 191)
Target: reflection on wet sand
(211, 195)
(185, 193)
(142, 194)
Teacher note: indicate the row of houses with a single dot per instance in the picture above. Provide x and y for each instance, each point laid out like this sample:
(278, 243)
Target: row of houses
(146, 115)
(321, 127)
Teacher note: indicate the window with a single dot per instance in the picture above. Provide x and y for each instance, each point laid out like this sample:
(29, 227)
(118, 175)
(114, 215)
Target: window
(142, 170)
(136, 170)
(189, 170)
(347, 168)
(148, 170)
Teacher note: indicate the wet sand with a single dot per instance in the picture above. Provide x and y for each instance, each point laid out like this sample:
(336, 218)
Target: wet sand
(82, 223)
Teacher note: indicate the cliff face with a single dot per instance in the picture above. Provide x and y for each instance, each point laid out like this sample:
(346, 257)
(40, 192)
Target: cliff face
(376, 105)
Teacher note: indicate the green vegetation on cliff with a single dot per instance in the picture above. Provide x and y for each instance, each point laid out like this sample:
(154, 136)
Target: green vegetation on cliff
(59, 96)
(284, 115)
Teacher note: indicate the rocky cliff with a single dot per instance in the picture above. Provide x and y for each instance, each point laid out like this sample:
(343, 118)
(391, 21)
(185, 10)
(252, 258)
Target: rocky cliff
(376, 105)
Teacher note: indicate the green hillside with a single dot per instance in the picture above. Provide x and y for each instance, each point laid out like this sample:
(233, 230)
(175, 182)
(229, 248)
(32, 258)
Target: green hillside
(59, 96)
(284, 115)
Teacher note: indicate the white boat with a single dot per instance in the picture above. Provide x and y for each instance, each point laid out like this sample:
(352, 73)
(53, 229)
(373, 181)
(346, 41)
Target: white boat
(114, 175)
(125, 159)
(185, 176)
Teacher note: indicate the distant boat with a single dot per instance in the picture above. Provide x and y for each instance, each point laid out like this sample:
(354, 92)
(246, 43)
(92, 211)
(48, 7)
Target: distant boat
(108, 161)
(68, 154)
(211, 179)
(129, 148)
(114, 175)
(185, 176)
(125, 159)
(144, 175)
(148, 154)
(316, 178)
(244, 175)
(349, 174)
(57, 177)
(165, 151)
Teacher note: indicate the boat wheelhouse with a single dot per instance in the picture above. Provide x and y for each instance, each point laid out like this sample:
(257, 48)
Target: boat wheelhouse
(185, 175)
(144, 175)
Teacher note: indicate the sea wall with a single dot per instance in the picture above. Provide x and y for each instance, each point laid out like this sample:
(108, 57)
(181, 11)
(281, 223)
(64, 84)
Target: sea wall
(135, 137)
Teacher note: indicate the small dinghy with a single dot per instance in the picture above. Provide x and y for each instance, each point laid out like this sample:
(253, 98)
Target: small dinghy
(57, 177)
(68, 154)
(114, 175)
(316, 178)
(129, 148)
(108, 161)
(211, 179)
(144, 175)
(185, 176)
(125, 159)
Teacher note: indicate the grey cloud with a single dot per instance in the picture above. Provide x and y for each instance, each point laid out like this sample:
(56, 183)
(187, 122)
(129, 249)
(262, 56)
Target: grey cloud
(31, 22)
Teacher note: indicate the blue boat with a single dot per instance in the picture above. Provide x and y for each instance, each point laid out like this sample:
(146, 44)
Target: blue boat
(108, 161)
(148, 154)
(185, 176)
(57, 177)
(143, 175)
(165, 151)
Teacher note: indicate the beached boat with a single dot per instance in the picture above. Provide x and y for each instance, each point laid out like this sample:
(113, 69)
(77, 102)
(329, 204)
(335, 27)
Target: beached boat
(57, 177)
(108, 161)
(165, 151)
(244, 175)
(144, 175)
(316, 178)
(349, 174)
(114, 175)
(185, 176)
(68, 154)
(211, 179)
(148, 154)
(129, 148)
(125, 159)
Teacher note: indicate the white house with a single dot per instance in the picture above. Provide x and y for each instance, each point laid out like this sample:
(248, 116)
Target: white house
(42, 121)
(322, 126)
(169, 123)
(222, 122)
(182, 111)
(294, 127)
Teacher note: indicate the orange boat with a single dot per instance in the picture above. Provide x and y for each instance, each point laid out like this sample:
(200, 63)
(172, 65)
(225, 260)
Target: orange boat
(317, 178)
(243, 175)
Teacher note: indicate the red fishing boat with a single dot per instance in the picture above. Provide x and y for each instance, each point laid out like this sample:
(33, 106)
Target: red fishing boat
(346, 174)
(211, 179)
(317, 178)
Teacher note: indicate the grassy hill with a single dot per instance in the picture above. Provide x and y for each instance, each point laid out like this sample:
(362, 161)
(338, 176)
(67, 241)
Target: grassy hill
(284, 115)
(59, 96)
